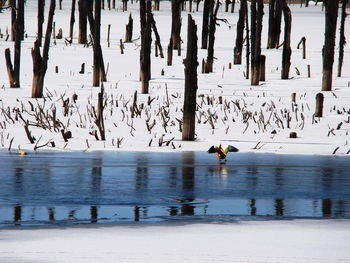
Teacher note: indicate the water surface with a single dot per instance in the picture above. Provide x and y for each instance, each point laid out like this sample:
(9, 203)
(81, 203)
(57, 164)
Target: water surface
(60, 188)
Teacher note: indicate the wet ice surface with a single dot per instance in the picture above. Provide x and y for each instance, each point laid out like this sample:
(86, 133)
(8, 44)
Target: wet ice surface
(64, 188)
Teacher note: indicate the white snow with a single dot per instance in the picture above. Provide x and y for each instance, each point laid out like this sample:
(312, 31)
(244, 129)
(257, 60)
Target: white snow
(297, 241)
(322, 137)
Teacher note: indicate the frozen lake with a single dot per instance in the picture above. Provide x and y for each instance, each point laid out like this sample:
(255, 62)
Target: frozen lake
(64, 188)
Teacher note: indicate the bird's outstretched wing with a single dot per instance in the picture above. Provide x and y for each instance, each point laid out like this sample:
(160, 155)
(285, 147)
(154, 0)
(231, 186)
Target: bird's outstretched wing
(231, 148)
(212, 150)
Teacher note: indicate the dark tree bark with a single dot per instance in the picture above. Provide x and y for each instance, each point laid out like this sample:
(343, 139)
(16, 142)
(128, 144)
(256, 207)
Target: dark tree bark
(233, 6)
(208, 6)
(13, 19)
(156, 5)
(176, 23)
(170, 52)
(275, 16)
(342, 39)
(97, 45)
(72, 20)
(83, 7)
(329, 43)
(247, 44)
(212, 28)
(257, 13)
(146, 42)
(20, 17)
(60, 4)
(191, 83)
(41, 8)
(240, 31)
(40, 62)
(129, 29)
(227, 4)
(302, 41)
(125, 5)
(319, 105)
(287, 51)
(155, 30)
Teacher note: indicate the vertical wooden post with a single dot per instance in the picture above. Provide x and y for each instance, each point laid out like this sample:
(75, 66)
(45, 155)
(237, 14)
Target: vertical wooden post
(287, 51)
(60, 4)
(319, 105)
(308, 71)
(108, 33)
(99, 120)
(72, 20)
(329, 43)
(294, 97)
(237, 59)
(191, 83)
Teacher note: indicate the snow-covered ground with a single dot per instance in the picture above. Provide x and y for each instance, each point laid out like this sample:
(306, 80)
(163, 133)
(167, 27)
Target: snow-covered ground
(249, 114)
(260, 241)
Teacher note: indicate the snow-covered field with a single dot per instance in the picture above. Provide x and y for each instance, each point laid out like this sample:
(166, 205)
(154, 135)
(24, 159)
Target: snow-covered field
(249, 114)
(249, 242)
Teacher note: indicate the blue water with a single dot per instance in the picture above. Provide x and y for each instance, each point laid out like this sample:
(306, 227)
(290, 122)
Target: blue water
(64, 188)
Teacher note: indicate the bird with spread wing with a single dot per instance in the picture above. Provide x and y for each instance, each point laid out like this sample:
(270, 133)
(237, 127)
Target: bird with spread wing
(222, 151)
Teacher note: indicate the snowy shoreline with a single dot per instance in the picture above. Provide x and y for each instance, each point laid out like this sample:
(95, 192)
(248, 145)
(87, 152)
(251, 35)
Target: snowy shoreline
(259, 241)
(253, 119)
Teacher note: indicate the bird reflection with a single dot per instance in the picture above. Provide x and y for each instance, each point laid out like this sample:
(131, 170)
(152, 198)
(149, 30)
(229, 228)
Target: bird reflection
(188, 183)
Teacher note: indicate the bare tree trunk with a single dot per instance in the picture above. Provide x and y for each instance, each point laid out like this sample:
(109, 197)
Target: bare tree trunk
(13, 19)
(208, 6)
(156, 5)
(212, 28)
(72, 20)
(275, 16)
(158, 43)
(342, 39)
(129, 29)
(319, 105)
(60, 4)
(20, 17)
(329, 43)
(233, 6)
(176, 23)
(170, 52)
(99, 121)
(125, 5)
(287, 51)
(83, 7)
(247, 43)
(40, 62)
(191, 82)
(257, 13)
(237, 60)
(146, 42)
(97, 45)
(302, 41)
(41, 8)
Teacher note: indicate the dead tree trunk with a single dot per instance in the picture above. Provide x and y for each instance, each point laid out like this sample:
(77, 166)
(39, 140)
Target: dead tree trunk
(72, 20)
(342, 39)
(155, 31)
(170, 53)
(99, 119)
(302, 41)
(233, 6)
(257, 13)
(237, 60)
(156, 5)
(60, 4)
(128, 30)
(125, 5)
(20, 17)
(319, 105)
(329, 43)
(275, 16)
(287, 51)
(212, 28)
(41, 8)
(13, 19)
(97, 45)
(83, 7)
(40, 62)
(176, 23)
(191, 83)
(208, 6)
(247, 44)
(146, 42)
